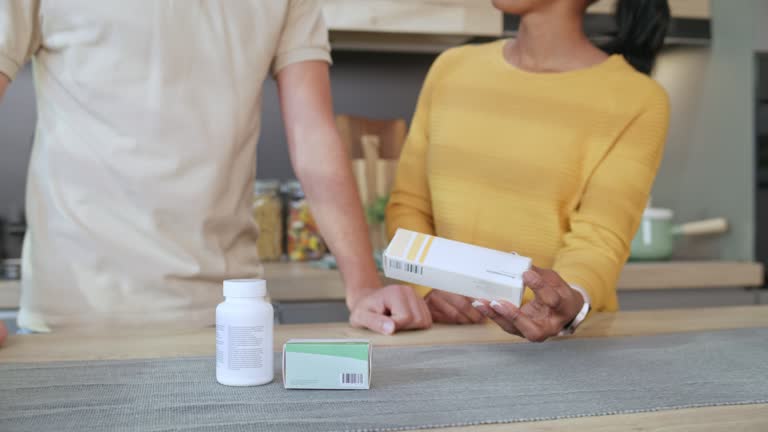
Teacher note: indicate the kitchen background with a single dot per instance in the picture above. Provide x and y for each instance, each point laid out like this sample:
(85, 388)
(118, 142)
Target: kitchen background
(710, 168)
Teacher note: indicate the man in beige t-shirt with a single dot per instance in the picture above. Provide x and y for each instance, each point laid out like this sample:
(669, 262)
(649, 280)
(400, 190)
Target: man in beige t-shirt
(140, 182)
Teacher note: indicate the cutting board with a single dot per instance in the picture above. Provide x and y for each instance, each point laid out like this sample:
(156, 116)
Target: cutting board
(386, 170)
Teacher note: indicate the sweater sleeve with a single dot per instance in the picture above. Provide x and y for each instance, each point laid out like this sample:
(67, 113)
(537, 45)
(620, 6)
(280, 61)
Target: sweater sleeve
(410, 205)
(601, 229)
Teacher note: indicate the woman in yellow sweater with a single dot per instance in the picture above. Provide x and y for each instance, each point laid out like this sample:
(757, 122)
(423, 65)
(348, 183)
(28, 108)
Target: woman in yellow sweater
(545, 145)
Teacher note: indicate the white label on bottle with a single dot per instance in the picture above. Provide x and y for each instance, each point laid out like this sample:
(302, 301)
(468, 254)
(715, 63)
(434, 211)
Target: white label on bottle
(245, 347)
(220, 344)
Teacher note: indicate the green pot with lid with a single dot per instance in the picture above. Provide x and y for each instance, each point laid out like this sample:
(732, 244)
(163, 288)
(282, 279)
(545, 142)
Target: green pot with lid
(656, 236)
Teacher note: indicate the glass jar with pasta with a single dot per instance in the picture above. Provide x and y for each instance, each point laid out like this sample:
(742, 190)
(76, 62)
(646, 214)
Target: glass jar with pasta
(267, 211)
(303, 239)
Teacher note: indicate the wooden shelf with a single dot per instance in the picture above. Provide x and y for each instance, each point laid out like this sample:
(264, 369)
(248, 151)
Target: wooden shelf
(300, 282)
(444, 17)
(690, 274)
(292, 282)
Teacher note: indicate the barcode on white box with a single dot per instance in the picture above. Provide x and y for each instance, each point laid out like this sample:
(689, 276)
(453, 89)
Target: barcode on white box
(408, 267)
(352, 378)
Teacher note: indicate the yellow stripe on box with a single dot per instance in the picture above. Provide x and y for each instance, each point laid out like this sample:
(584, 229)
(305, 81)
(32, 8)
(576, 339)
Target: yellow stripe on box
(426, 250)
(416, 246)
(399, 243)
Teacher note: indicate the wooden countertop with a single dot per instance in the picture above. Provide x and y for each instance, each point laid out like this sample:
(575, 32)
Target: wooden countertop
(154, 343)
(302, 282)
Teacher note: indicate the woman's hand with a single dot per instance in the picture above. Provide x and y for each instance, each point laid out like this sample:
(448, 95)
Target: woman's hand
(555, 305)
(451, 308)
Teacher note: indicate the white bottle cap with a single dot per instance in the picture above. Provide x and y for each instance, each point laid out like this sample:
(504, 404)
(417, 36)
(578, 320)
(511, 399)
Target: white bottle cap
(245, 288)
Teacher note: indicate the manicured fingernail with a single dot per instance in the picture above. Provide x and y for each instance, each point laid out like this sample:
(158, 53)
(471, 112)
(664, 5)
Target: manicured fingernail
(496, 305)
(389, 327)
(477, 304)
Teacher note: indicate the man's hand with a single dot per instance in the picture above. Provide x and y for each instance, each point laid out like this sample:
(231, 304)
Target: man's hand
(390, 309)
(451, 308)
(555, 305)
(3, 332)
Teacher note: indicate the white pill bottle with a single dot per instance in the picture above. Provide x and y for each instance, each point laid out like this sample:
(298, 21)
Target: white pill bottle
(244, 334)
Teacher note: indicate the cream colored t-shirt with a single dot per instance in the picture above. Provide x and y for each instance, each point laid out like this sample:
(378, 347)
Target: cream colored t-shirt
(140, 183)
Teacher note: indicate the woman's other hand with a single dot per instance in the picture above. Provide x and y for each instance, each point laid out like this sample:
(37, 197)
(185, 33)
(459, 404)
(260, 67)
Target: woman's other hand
(448, 308)
(555, 305)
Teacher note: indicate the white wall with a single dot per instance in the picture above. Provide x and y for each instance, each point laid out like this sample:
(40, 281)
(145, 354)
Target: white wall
(708, 170)
(761, 28)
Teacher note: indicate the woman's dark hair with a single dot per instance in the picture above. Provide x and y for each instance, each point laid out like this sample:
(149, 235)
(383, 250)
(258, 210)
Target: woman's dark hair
(641, 26)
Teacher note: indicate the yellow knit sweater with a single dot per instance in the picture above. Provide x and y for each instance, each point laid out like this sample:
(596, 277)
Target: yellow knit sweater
(554, 166)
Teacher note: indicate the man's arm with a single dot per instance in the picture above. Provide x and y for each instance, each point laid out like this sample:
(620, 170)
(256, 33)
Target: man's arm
(322, 165)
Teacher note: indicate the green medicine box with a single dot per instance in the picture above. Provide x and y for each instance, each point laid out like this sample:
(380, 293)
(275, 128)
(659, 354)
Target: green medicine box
(328, 364)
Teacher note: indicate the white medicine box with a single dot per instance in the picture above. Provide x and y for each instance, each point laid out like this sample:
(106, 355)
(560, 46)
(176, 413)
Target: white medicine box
(456, 267)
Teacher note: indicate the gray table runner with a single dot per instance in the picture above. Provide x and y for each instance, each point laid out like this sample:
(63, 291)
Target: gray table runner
(412, 387)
